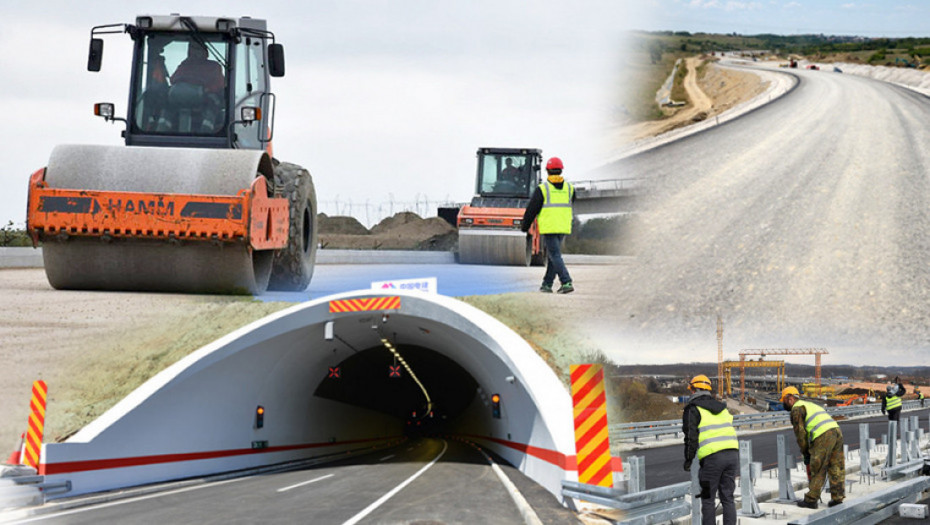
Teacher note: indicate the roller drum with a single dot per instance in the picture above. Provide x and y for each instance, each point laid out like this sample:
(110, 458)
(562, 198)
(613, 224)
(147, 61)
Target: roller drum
(114, 263)
(495, 247)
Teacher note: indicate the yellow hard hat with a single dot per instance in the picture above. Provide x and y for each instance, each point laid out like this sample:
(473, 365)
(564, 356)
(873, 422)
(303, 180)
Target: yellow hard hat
(789, 390)
(700, 382)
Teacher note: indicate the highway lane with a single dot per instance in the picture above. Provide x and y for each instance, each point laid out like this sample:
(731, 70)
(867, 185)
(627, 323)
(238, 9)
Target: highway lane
(664, 465)
(803, 223)
(421, 481)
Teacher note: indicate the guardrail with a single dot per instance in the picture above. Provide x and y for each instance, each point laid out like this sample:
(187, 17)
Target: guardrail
(608, 185)
(740, 421)
(665, 503)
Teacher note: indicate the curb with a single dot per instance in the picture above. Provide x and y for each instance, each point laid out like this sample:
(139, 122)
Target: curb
(11, 258)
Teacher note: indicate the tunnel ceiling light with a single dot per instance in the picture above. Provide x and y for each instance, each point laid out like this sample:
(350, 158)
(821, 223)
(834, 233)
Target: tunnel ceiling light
(429, 402)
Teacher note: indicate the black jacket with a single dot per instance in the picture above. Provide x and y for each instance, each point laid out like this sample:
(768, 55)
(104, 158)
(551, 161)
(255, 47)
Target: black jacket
(692, 418)
(535, 206)
(900, 393)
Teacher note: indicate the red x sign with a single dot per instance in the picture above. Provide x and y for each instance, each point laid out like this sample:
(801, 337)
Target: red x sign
(394, 371)
(335, 372)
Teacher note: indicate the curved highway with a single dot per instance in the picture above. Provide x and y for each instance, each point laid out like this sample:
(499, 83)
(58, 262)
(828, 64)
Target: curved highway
(805, 222)
(423, 481)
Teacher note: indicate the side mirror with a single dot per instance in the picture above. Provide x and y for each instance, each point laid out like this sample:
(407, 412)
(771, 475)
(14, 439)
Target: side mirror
(275, 60)
(95, 57)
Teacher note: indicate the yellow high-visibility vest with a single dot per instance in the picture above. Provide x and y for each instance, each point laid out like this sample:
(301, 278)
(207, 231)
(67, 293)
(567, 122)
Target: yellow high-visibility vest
(556, 213)
(818, 421)
(892, 402)
(715, 433)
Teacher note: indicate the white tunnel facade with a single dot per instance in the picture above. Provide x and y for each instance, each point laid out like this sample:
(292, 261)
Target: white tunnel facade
(198, 417)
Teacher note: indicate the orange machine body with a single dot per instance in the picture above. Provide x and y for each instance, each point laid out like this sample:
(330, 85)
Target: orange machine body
(250, 216)
(499, 218)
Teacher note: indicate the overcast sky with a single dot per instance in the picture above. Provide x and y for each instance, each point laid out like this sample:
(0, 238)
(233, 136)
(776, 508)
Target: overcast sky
(876, 18)
(383, 100)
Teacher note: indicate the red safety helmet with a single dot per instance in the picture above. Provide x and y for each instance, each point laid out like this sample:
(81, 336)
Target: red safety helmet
(554, 163)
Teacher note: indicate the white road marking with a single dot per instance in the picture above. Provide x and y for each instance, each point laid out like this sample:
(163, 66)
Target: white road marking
(129, 500)
(387, 457)
(368, 510)
(302, 483)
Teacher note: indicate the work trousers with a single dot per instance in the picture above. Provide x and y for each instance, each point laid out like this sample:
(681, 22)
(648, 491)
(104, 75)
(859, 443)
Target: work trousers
(718, 477)
(555, 265)
(894, 414)
(827, 459)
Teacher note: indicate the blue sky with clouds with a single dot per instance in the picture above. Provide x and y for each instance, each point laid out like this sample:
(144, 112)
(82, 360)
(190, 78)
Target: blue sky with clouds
(831, 17)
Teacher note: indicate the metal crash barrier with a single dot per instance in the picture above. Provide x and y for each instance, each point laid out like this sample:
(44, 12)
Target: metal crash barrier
(640, 507)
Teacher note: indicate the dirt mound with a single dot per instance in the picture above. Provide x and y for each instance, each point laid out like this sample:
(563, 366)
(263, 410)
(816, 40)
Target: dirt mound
(402, 231)
(340, 225)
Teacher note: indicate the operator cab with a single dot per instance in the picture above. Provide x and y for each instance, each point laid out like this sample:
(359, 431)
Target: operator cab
(197, 81)
(508, 173)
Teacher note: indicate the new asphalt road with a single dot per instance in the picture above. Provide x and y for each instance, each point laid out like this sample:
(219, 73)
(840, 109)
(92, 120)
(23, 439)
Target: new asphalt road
(421, 481)
(803, 223)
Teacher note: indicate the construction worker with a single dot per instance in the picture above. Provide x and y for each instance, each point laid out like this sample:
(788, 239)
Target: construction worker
(821, 444)
(710, 435)
(920, 397)
(552, 203)
(892, 401)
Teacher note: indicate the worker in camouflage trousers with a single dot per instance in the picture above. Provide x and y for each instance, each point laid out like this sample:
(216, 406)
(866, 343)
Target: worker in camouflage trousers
(821, 442)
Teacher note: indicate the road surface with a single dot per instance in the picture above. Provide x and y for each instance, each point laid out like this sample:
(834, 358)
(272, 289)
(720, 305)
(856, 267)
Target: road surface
(804, 223)
(422, 481)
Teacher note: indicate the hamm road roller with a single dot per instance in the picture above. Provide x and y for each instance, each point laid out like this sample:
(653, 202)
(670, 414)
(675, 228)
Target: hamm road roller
(489, 227)
(194, 202)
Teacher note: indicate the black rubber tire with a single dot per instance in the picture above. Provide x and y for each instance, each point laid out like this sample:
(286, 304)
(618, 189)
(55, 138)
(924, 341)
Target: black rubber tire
(537, 259)
(293, 265)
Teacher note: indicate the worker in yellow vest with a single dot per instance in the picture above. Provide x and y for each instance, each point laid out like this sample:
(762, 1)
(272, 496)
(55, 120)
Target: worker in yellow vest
(821, 442)
(552, 204)
(710, 436)
(920, 396)
(892, 401)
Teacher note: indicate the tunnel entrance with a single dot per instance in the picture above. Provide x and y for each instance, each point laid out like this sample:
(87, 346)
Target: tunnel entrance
(374, 379)
(200, 415)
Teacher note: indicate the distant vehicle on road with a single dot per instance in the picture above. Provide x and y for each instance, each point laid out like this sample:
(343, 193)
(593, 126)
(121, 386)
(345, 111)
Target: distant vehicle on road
(813, 66)
(837, 70)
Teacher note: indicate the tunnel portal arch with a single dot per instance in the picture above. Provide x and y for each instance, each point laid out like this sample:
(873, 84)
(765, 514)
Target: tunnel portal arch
(314, 369)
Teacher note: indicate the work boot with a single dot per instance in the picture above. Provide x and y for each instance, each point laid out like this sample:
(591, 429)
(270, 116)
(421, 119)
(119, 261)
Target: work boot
(834, 503)
(566, 288)
(807, 504)
(545, 288)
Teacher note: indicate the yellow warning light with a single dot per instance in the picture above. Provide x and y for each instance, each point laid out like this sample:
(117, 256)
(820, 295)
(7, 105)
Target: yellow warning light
(261, 410)
(495, 398)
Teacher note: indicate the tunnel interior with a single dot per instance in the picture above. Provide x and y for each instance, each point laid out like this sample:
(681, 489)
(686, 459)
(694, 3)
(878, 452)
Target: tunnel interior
(375, 379)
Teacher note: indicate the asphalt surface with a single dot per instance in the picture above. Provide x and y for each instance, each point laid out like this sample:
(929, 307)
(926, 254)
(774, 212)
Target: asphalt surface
(460, 487)
(665, 465)
(803, 223)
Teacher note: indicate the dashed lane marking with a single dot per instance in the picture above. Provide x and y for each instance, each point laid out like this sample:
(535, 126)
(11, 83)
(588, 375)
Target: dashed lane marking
(302, 483)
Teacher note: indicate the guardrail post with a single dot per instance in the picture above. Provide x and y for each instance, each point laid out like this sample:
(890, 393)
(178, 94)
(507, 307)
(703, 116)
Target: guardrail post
(891, 459)
(872, 445)
(912, 443)
(865, 446)
(695, 491)
(785, 488)
(749, 506)
(905, 441)
(636, 466)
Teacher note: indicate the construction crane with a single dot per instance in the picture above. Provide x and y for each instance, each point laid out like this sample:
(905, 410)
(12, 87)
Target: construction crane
(779, 367)
(816, 352)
